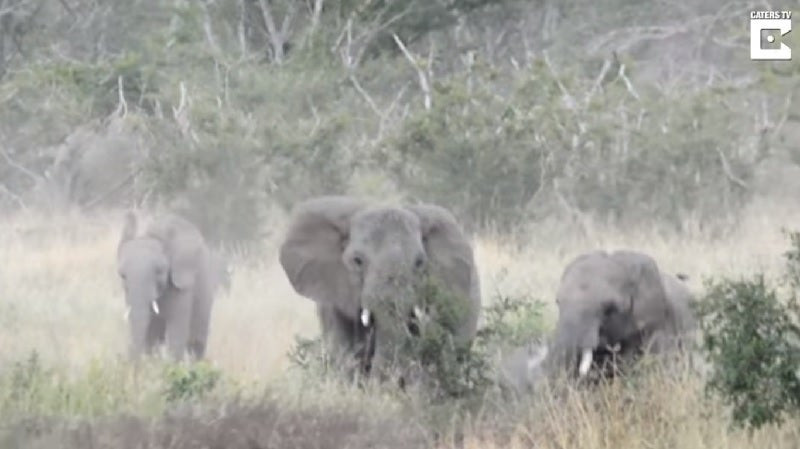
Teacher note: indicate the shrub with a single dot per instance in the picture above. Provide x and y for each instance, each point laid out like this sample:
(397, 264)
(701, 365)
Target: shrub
(186, 382)
(446, 369)
(751, 334)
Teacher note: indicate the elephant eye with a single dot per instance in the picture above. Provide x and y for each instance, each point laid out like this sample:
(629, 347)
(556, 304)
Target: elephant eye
(419, 262)
(358, 260)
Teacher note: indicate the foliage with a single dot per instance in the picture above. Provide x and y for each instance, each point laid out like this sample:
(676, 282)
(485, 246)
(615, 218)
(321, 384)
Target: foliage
(512, 320)
(30, 388)
(752, 336)
(447, 369)
(555, 140)
(185, 382)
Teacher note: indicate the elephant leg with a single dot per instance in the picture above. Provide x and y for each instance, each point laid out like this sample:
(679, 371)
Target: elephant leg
(341, 337)
(178, 316)
(201, 319)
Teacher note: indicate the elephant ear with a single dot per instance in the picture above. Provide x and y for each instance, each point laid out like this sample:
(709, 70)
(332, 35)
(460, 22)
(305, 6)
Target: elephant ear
(645, 287)
(184, 247)
(448, 249)
(311, 254)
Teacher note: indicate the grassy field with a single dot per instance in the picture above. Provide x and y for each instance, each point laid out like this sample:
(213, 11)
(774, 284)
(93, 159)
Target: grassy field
(60, 297)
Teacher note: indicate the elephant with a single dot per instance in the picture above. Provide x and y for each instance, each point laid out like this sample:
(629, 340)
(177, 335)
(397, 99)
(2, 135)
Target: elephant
(363, 264)
(168, 274)
(613, 307)
(521, 368)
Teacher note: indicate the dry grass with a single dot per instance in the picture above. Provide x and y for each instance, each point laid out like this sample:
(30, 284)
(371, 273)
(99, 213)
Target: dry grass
(59, 295)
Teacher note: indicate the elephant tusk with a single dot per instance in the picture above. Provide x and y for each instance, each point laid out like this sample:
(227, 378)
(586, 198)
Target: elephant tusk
(127, 313)
(586, 362)
(365, 317)
(155, 307)
(418, 313)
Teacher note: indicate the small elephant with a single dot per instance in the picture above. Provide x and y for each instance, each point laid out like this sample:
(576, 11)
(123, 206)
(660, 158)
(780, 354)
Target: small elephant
(363, 265)
(614, 307)
(169, 279)
(521, 368)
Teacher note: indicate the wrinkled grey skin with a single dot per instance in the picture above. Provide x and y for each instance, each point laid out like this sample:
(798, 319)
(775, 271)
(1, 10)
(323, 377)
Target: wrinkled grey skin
(168, 276)
(350, 256)
(615, 306)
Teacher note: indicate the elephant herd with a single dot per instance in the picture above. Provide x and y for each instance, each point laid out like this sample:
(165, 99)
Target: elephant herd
(363, 265)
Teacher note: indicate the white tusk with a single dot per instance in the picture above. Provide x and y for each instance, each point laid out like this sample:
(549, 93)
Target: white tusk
(365, 317)
(127, 313)
(155, 307)
(418, 312)
(586, 362)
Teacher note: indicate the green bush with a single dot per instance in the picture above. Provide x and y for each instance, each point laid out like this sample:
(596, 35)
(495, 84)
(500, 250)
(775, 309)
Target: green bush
(187, 382)
(751, 333)
(445, 368)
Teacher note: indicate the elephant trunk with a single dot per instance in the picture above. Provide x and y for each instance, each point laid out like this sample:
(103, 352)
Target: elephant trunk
(573, 347)
(143, 304)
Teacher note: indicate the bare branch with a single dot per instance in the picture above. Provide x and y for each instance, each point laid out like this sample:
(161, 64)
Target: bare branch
(19, 167)
(181, 115)
(599, 80)
(727, 169)
(277, 37)
(242, 28)
(366, 96)
(423, 77)
(569, 100)
(627, 82)
(209, 30)
(122, 108)
(14, 197)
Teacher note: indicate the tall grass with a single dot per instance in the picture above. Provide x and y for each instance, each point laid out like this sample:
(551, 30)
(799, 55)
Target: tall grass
(60, 300)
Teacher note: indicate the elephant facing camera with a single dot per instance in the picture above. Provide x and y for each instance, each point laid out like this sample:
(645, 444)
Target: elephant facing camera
(369, 269)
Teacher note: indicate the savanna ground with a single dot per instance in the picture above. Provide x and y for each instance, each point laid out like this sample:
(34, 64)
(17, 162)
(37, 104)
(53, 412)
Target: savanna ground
(62, 300)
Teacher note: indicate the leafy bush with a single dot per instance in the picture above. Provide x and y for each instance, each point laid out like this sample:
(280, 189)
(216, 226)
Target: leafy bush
(752, 337)
(445, 368)
(185, 382)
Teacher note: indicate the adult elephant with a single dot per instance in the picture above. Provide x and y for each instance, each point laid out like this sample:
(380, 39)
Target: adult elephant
(364, 265)
(616, 306)
(169, 278)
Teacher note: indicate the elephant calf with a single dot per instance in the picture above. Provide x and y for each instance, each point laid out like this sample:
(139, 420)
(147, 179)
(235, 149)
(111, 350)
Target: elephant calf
(169, 278)
(521, 368)
(363, 265)
(616, 306)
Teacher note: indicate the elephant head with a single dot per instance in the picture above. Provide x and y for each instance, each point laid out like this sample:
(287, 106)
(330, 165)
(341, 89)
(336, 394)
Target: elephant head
(610, 305)
(366, 263)
(163, 260)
